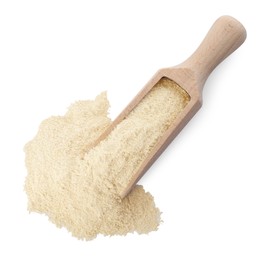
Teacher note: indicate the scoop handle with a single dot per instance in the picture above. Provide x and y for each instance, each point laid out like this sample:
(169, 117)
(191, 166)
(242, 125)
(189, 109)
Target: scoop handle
(223, 38)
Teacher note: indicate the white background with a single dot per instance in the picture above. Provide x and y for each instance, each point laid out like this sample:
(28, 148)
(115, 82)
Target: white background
(212, 184)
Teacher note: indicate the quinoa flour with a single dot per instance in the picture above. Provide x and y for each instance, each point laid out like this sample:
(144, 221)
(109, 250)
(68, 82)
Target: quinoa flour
(81, 193)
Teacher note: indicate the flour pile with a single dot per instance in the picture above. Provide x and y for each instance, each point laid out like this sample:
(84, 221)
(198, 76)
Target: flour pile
(81, 193)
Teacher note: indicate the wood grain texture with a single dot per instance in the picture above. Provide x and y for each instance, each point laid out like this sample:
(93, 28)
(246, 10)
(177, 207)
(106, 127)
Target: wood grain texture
(223, 38)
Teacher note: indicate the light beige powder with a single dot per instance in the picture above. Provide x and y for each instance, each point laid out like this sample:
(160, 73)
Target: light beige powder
(81, 194)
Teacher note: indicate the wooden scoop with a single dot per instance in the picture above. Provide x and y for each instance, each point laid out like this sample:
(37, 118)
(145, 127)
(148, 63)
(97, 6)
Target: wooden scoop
(224, 37)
